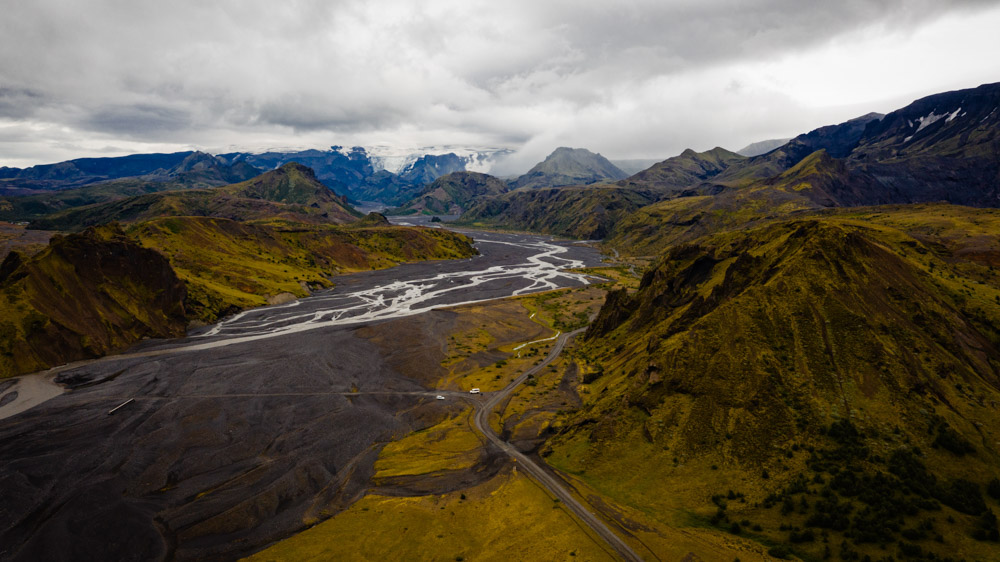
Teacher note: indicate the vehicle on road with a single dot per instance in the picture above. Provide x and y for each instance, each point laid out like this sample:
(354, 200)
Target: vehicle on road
(474, 391)
(439, 397)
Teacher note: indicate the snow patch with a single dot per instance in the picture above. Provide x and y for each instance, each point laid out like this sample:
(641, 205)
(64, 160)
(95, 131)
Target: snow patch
(395, 159)
(925, 122)
(953, 115)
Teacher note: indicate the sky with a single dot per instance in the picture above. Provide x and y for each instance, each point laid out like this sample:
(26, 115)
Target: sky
(628, 79)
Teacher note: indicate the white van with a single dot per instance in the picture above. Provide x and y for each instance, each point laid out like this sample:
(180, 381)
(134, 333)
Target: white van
(474, 391)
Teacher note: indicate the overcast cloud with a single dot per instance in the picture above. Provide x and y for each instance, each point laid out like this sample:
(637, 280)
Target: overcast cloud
(639, 79)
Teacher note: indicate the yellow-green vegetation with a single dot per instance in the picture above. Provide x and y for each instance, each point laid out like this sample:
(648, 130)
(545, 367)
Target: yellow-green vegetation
(507, 518)
(625, 275)
(83, 296)
(228, 265)
(564, 309)
(452, 444)
(462, 347)
(825, 386)
(479, 351)
(583, 213)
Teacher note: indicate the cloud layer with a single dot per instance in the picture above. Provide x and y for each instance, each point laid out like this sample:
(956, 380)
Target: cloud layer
(629, 79)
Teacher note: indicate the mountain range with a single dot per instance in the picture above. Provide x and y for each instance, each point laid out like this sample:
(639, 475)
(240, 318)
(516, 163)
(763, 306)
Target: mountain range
(793, 351)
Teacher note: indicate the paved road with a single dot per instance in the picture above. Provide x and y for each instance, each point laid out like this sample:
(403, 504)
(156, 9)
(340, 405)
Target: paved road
(482, 419)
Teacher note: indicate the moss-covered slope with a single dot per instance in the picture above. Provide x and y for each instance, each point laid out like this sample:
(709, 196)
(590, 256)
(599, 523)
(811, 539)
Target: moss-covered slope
(837, 374)
(585, 213)
(228, 265)
(453, 194)
(86, 295)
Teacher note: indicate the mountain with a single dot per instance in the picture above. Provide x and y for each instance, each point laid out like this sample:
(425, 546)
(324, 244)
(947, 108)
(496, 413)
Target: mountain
(185, 169)
(837, 140)
(377, 173)
(761, 147)
(84, 296)
(679, 173)
(569, 166)
(428, 168)
(825, 381)
(290, 192)
(342, 170)
(578, 212)
(82, 171)
(712, 171)
(197, 170)
(941, 147)
(453, 194)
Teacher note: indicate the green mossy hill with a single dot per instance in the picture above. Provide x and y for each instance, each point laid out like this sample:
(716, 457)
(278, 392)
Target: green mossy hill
(569, 166)
(291, 193)
(584, 213)
(675, 175)
(228, 265)
(840, 372)
(453, 194)
(86, 295)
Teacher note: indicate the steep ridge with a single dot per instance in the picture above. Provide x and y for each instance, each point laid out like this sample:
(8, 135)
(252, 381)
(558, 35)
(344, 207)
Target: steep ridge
(453, 194)
(86, 295)
(291, 192)
(569, 166)
(829, 376)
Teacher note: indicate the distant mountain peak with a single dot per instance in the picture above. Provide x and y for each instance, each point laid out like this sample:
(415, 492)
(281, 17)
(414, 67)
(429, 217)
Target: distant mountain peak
(570, 166)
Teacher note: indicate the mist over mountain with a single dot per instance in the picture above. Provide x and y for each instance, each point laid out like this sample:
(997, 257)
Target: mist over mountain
(761, 147)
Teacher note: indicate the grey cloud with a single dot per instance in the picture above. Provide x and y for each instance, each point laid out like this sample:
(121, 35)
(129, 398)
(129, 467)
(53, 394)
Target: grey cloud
(520, 72)
(137, 120)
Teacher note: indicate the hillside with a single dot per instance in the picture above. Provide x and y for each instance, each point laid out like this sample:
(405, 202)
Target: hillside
(453, 194)
(943, 147)
(821, 377)
(84, 296)
(569, 166)
(291, 192)
(584, 213)
(674, 176)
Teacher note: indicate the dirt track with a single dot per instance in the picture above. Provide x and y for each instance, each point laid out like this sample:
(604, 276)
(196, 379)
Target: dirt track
(482, 419)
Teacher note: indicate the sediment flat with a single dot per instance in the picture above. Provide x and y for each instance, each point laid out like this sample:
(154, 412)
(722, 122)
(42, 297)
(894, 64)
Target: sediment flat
(239, 433)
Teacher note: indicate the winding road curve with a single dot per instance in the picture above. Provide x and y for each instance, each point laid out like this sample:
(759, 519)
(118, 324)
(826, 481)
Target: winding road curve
(482, 421)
